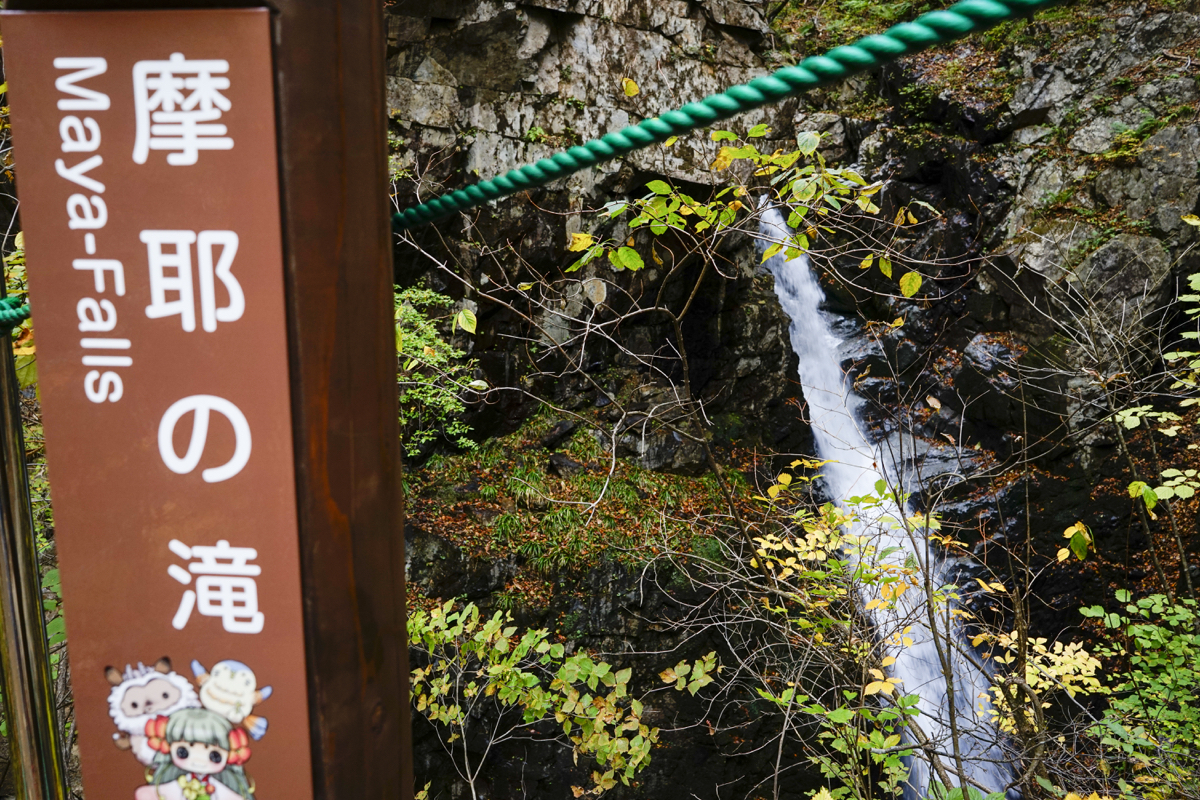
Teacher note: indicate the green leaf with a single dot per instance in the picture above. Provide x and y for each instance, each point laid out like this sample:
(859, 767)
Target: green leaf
(723, 136)
(52, 582)
(56, 631)
(26, 369)
(758, 131)
(614, 207)
(885, 266)
(910, 283)
(807, 142)
(1149, 498)
(840, 716)
(1079, 546)
(592, 252)
(772, 250)
(466, 320)
(659, 187)
(630, 258)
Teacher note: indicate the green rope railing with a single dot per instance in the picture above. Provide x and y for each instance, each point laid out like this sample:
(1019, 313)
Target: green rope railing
(13, 311)
(927, 30)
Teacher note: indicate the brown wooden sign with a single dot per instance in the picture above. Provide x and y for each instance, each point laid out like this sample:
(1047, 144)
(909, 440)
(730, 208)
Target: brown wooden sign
(149, 188)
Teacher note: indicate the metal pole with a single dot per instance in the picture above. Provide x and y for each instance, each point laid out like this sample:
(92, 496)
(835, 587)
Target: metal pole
(28, 697)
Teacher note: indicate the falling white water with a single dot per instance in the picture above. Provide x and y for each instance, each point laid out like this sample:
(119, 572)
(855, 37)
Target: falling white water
(855, 468)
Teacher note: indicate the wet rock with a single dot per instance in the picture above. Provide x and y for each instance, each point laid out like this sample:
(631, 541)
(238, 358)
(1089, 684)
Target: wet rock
(558, 434)
(1041, 100)
(1097, 136)
(1033, 135)
(1124, 279)
(1162, 185)
(662, 450)
(564, 466)
(441, 569)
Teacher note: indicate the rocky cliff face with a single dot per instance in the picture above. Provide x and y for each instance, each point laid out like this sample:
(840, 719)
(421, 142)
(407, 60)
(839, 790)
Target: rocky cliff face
(1060, 155)
(491, 86)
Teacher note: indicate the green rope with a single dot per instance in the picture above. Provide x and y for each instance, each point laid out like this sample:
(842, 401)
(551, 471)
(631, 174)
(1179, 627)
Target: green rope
(927, 30)
(13, 311)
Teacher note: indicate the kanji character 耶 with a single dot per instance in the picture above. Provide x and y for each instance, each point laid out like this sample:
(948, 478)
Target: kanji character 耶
(179, 282)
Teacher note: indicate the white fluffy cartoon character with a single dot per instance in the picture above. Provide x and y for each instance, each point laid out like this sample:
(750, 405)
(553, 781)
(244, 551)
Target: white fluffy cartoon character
(139, 695)
(231, 690)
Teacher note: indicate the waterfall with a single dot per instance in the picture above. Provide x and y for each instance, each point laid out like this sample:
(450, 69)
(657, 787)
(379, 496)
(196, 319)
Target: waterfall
(855, 467)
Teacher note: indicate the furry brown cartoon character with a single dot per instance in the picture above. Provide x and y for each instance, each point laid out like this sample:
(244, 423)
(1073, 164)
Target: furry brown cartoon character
(139, 695)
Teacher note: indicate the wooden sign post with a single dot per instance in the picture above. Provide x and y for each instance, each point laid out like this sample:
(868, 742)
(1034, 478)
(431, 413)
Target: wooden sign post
(203, 201)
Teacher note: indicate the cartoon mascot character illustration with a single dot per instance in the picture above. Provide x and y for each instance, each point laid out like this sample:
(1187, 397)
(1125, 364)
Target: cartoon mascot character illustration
(142, 694)
(231, 690)
(199, 755)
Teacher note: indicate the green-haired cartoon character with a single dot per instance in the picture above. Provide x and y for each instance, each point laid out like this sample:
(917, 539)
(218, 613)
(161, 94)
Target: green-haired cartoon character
(200, 757)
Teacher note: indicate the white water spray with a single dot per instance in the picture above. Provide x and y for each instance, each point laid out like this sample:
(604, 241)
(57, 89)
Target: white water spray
(855, 467)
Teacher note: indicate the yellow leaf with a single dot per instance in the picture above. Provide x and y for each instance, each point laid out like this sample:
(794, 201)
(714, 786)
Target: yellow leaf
(630, 87)
(580, 241)
(899, 217)
(723, 160)
(907, 641)
(670, 141)
(888, 661)
(874, 687)
(910, 284)
(1064, 554)
(19, 240)
(934, 403)
(912, 220)
(654, 254)
(1191, 219)
(867, 262)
